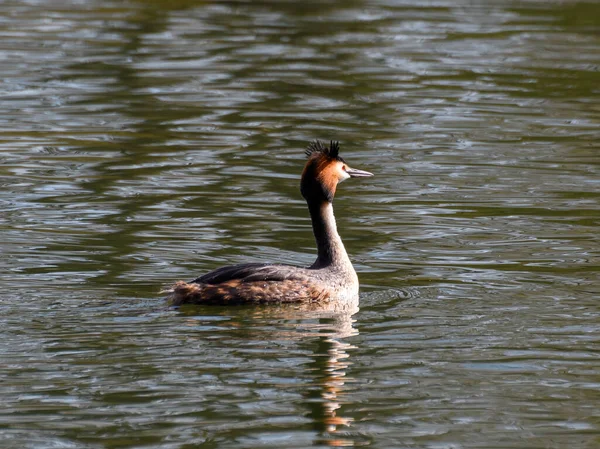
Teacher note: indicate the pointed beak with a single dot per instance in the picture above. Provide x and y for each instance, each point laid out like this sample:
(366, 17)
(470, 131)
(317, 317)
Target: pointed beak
(355, 173)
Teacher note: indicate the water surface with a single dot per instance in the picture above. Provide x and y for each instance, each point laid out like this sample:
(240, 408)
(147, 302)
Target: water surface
(146, 142)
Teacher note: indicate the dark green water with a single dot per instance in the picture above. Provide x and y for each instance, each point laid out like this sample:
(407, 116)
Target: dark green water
(146, 142)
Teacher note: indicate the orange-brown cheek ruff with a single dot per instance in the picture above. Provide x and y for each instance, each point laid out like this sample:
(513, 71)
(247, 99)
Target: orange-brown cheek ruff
(320, 179)
(329, 178)
(239, 292)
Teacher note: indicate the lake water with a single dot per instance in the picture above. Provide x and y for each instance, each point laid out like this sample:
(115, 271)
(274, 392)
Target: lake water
(143, 142)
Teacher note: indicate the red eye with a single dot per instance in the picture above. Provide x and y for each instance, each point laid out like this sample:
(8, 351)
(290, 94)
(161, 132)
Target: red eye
(344, 167)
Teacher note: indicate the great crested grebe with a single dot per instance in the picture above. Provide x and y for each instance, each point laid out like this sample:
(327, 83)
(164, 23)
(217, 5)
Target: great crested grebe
(330, 278)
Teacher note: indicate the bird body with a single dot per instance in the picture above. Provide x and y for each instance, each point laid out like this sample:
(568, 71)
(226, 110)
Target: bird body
(331, 278)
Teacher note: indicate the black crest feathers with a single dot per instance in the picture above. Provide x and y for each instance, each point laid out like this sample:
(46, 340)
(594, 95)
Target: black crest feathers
(332, 151)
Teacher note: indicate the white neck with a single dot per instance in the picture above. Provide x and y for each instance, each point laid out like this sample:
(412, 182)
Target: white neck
(331, 250)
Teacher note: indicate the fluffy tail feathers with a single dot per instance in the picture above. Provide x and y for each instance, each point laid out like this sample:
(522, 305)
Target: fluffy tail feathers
(183, 292)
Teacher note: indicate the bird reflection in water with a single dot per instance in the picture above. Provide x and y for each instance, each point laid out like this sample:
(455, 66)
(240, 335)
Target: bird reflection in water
(319, 333)
(327, 398)
(327, 392)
